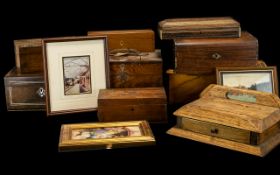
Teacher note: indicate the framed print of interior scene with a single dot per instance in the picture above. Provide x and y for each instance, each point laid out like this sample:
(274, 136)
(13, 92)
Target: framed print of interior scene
(108, 135)
(75, 69)
(260, 79)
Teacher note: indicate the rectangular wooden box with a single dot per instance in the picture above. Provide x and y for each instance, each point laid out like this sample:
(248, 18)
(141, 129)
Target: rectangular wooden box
(28, 54)
(24, 92)
(184, 88)
(141, 40)
(238, 119)
(215, 27)
(136, 71)
(201, 56)
(128, 104)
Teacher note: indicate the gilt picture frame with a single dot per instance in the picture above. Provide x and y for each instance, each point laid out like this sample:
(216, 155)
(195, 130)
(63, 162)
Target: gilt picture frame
(75, 68)
(255, 78)
(108, 135)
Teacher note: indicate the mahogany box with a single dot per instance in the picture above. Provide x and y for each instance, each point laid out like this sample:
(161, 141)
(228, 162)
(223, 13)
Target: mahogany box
(127, 104)
(238, 119)
(202, 56)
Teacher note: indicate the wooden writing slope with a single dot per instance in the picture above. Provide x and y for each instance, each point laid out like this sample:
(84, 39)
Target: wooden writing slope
(238, 119)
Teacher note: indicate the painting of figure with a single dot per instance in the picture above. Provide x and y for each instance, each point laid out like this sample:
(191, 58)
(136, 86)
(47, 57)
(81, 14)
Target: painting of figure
(106, 132)
(76, 72)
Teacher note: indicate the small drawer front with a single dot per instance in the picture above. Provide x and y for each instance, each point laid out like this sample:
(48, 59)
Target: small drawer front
(25, 95)
(215, 130)
(151, 113)
(204, 59)
(130, 75)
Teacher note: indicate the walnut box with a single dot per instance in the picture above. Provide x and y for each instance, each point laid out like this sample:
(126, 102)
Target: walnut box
(29, 55)
(215, 27)
(24, 92)
(141, 40)
(126, 104)
(136, 71)
(238, 119)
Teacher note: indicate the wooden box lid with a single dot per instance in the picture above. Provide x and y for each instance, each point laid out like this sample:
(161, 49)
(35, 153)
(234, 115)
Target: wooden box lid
(143, 57)
(125, 96)
(240, 108)
(199, 28)
(143, 40)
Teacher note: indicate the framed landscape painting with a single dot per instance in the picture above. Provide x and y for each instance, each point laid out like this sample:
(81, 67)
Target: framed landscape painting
(75, 69)
(260, 79)
(75, 137)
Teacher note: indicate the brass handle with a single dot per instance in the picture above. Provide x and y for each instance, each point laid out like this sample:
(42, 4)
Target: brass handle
(214, 131)
(216, 56)
(41, 92)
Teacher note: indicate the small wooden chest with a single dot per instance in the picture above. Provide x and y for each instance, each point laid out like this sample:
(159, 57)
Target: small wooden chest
(128, 104)
(29, 57)
(215, 27)
(238, 119)
(184, 88)
(201, 56)
(141, 40)
(24, 92)
(136, 71)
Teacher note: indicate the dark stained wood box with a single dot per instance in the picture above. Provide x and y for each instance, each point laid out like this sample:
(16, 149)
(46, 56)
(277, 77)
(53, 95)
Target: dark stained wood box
(136, 71)
(213, 27)
(24, 92)
(141, 40)
(184, 88)
(127, 104)
(202, 56)
(29, 55)
(238, 119)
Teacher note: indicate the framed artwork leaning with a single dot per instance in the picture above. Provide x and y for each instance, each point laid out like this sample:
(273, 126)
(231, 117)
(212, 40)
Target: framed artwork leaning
(254, 78)
(75, 68)
(88, 136)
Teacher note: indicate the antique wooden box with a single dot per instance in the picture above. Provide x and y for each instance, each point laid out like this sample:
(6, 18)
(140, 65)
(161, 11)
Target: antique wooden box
(28, 54)
(126, 104)
(24, 91)
(184, 88)
(144, 70)
(201, 56)
(141, 40)
(215, 27)
(238, 119)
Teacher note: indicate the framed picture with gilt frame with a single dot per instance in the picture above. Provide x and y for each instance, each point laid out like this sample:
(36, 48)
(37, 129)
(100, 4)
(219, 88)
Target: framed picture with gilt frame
(108, 135)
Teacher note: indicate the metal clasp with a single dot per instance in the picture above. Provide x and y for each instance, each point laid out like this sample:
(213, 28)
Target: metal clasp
(216, 56)
(41, 92)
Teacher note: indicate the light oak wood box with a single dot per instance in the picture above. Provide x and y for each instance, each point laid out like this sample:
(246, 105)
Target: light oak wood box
(128, 104)
(202, 56)
(141, 40)
(136, 71)
(211, 27)
(29, 55)
(238, 119)
(24, 92)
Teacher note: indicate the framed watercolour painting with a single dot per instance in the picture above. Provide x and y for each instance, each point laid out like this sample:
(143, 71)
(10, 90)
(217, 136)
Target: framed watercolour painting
(75, 69)
(75, 137)
(260, 79)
